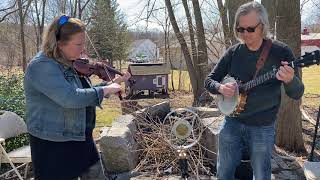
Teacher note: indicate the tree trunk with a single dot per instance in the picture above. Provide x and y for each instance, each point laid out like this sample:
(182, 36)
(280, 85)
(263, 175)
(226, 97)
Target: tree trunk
(180, 69)
(270, 7)
(232, 7)
(40, 16)
(289, 125)
(22, 16)
(191, 32)
(167, 58)
(225, 24)
(202, 65)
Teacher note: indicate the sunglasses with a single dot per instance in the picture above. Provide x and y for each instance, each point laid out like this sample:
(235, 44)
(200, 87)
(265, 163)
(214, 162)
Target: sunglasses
(248, 29)
(62, 21)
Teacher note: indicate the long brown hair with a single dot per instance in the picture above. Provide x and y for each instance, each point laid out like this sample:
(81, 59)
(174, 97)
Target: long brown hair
(63, 33)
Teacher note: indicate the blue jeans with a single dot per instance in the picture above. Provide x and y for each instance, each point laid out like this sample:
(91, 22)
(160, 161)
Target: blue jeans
(234, 138)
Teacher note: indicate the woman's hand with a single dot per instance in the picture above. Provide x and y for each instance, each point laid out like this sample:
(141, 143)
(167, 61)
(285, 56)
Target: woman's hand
(285, 72)
(120, 79)
(112, 89)
(227, 89)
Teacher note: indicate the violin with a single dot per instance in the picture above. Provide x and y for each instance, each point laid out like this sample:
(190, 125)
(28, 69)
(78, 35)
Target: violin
(84, 67)
(87, 68)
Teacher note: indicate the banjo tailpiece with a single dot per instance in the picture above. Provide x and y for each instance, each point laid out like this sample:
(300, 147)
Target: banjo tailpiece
(242, 102)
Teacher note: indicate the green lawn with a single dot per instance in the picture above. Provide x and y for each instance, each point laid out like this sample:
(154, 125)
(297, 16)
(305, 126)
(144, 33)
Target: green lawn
(311, 79)
(185, 80)
(106, 115)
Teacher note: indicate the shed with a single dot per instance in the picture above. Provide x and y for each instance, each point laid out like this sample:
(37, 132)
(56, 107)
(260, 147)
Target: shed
(148, 76)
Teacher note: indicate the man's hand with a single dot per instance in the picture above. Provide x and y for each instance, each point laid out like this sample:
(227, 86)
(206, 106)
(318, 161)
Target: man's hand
(285, 72)
(227, 89)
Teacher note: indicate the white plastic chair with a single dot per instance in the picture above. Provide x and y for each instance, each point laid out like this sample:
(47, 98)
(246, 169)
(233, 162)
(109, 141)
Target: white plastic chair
(311, 170)
(11, 125)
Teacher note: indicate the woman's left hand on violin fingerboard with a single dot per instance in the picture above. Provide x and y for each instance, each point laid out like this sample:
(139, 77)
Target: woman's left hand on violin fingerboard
(119, 79)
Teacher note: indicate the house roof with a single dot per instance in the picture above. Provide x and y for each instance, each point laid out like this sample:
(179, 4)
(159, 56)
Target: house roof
(310, 36)
(148, 68)
(137, 43)
(305, 49)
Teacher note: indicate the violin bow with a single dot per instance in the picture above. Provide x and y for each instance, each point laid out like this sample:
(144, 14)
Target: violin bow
(99, 57)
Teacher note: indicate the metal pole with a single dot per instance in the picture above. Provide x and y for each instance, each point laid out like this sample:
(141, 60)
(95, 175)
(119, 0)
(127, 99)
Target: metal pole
(314, 136)
(183, 163)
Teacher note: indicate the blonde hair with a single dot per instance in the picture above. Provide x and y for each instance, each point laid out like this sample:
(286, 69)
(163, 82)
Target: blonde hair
(62, 33)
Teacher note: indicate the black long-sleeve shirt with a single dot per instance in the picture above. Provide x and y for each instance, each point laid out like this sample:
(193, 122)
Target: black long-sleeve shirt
(263, 101)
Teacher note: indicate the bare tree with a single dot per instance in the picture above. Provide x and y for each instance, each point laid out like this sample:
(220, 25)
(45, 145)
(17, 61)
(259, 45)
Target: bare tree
(191, 31)
(201, 64)
(232, 7)
(227, 31)
(196, 83)
(38, 18)
(77, 7)
(23, 10)
(7, 11)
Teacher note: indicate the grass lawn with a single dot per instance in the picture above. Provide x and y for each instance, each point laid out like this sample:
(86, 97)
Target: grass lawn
(311, 79)
(184, 80)
(106, 115)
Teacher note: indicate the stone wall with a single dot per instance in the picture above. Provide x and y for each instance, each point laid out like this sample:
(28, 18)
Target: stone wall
(120, 151)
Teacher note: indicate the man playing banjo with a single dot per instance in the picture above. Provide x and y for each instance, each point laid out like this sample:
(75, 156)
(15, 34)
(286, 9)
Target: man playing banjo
(252, 127)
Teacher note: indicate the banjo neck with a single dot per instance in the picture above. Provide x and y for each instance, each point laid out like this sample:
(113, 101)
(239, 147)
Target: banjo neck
(306, 60)
(259, 80)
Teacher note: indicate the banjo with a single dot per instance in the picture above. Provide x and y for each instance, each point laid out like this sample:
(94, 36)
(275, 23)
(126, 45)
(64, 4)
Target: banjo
(232, 106)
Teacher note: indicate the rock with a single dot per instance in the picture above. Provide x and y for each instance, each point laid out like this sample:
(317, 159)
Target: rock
(285, 175)
(274, 165)
(118, 147)
(123, 176)
(210, 136)
(156, 112)
(205, 112)
(128, 106)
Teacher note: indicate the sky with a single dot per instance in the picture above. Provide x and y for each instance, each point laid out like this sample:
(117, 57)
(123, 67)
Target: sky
(132, 9)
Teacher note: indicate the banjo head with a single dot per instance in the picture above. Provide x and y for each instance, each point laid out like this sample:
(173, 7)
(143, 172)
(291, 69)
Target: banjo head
(227, 105)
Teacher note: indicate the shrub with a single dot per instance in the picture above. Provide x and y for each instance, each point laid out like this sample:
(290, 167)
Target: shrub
(12, 99)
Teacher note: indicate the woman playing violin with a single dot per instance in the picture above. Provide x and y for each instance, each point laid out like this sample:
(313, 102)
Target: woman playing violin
(61, 106)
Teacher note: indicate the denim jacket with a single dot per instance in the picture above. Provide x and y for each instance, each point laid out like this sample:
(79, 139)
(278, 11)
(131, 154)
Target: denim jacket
(55, 100)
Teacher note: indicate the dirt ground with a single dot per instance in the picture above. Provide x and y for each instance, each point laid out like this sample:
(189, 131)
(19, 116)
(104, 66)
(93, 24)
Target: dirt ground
(309, 128)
